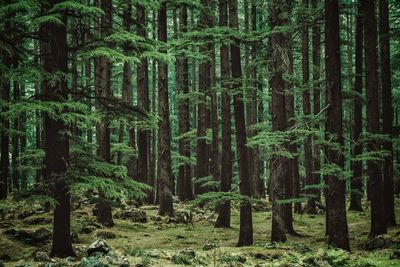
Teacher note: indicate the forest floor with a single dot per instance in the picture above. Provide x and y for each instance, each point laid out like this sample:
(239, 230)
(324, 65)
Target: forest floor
(165, 242)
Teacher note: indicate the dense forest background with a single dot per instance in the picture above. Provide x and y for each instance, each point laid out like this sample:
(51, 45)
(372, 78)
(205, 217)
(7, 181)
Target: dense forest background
(200, 114)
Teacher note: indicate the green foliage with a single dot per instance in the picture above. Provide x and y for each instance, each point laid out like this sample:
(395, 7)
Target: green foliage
(213, 199)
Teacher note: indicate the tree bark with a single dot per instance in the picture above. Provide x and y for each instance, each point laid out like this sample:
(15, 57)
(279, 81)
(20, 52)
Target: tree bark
(103, 89)
(374, 168)
(143, 102)
(308, 155)
(15, 142)
(54, 40)
(5, 158)
(204, 90)
(164, 147)
(335, 198)
(224, 210)
(387, 116)
(278, 164)
(246, 220)
(357, 167)
(184, 182)
(316, 72)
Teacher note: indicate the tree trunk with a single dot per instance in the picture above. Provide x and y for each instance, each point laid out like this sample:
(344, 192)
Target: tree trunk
(203, 111)
(316, 72)
(246, 220)
(54, 38)
(165, 178)
(143, 102)
(184, 180)
(23, 140)
(374, 168)
(278, 164)
(357, 168)
(335, 198)
(308, 155)
(224, 210)
(5, 96)
(387, 116)
(15, 142)
(103, 90)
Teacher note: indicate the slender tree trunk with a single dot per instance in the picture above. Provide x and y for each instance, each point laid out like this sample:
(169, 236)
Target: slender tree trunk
(5, 96)
(23, 140)
(165, 178)
(15, 142)
(154, 161)
(144, 104)
(103, 90)
(357, 168)
(308, 155)
(184, 180)
(293, 169)
(54, 38)
(374, 168)
(224, 210)
(336, 202)
(203, 111)
(246, 220)
(387, 116)
(316, 72)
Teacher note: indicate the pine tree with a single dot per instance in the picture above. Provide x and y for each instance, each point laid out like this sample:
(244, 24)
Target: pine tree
(56, 145)
(164, 146)
(336, 220)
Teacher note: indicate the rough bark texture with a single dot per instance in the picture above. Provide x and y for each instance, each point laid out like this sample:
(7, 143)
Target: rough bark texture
(164, 147)
(374, 168)
(56, 146)
(103, 91)
(335, 198)
(357, 168)
(278, 64)
(387, 116)
(224, 210)
(246, 220)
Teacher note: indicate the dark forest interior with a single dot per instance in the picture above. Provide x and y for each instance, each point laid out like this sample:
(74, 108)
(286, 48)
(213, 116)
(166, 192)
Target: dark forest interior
(199, 133)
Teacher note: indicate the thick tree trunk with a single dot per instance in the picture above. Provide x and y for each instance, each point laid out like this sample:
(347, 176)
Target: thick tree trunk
(374, 168)
(278, 164)
(387, 116)
(357, 167)
(224, 210)
(5, 158)
(54, 38)
(246, 220)
(164, 147)
(335, 198)
(103, 90)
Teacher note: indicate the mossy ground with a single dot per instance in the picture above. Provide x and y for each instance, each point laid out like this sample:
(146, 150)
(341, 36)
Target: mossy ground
(154, 243)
